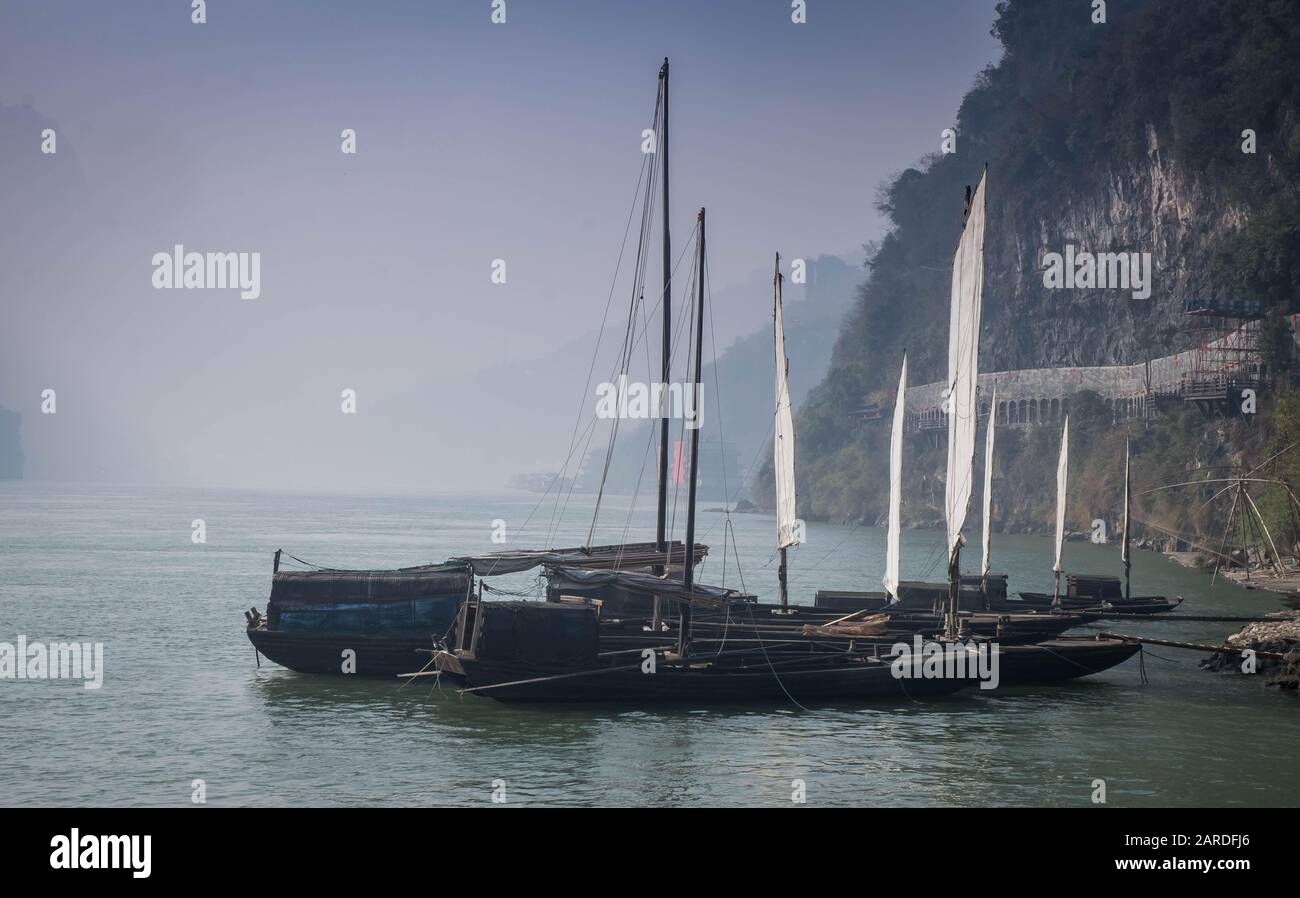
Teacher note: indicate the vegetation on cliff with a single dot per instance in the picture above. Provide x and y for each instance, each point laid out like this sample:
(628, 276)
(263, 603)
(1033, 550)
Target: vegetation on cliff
(1077, 115)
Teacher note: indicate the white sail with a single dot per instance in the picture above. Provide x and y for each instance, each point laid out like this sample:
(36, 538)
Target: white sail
(963, 367)
(1062, 466)
(895, 488)
(783, 448)
(988, 479)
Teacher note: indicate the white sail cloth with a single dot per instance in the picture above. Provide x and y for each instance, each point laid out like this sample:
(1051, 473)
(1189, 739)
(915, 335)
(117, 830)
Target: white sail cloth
(1062, 468)
(783, 446)
(895, 489)
(963, 366)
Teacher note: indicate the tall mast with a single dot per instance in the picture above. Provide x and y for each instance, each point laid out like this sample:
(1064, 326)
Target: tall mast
(684, 636)
(666, 298)
(1127, 500)
(781, 363)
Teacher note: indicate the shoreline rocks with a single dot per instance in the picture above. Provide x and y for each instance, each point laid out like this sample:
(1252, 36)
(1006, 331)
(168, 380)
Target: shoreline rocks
(1281, 635)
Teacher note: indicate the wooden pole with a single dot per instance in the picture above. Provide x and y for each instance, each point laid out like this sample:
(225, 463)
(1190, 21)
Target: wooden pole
(684, 635)
(1227, 530)
(1181, 618)
(1277, 559)
(782, 373)
(665, 372)
(781, 578)
(954, 591)
(1195, 646)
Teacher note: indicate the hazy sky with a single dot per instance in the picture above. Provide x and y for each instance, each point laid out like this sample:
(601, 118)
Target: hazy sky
(474, 142)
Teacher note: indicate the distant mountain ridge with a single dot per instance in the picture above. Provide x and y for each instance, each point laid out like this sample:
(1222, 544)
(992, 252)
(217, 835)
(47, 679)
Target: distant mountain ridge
(529, 424)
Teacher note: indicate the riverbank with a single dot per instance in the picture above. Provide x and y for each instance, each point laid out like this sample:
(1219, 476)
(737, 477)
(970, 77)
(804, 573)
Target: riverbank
(1286, 585)
(1281, 636)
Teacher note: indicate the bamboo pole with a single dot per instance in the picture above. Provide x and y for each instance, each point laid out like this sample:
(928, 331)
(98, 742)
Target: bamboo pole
(1199, 618)
(1195, 646)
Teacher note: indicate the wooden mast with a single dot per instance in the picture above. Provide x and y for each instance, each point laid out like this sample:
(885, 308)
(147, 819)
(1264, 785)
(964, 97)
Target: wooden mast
(661, 542)
(951, 629)
(684, 636)
(781, 577)
(782, 571)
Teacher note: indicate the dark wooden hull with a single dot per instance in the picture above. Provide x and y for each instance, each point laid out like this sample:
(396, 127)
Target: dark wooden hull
(847, 682)
(1051, 661)
(377, 654)
(1056, 660)
(1093, 605)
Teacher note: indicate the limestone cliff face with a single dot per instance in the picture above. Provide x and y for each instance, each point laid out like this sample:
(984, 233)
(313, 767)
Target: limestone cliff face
(1153, 204)
(1123, 138)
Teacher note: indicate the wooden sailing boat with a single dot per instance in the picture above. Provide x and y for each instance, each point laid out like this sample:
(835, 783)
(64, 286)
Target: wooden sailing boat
(389, 620)
(392, 633)
(671, 561)
(915, 609)
(561, 655)
(925, 608)
(554, 652)
(950, 599)
(1094, 594)
(384, 618)
(783, 454)
(1052, 659)
(965, 308)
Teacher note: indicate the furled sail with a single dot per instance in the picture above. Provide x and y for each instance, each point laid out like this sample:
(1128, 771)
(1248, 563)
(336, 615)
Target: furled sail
(963, 366)
(783, 449)
(988, 479)
(895, 488)
(1062, 466)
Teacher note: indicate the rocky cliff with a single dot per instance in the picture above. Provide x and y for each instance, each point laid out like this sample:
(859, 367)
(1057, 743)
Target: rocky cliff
(1128, 136)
